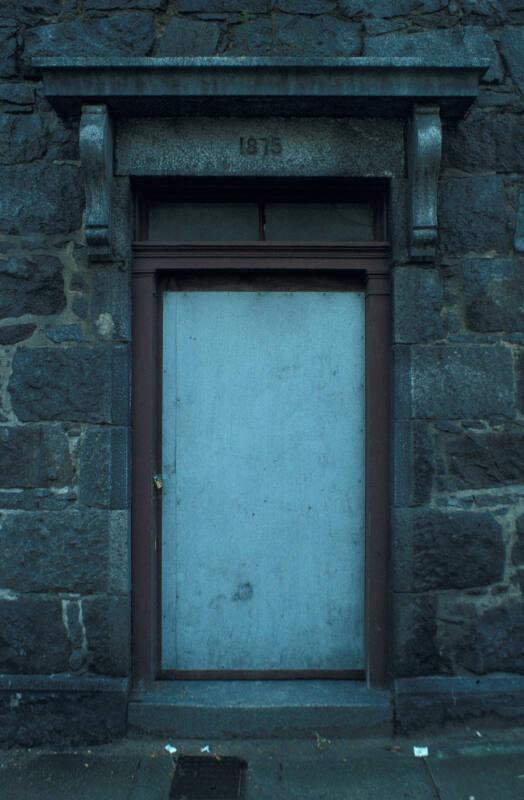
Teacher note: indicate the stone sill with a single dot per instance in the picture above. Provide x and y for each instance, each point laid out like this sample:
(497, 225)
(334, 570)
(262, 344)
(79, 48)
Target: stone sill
(387, 87)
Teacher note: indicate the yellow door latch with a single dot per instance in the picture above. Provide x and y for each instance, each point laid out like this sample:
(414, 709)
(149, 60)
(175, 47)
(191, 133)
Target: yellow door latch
(157, 482)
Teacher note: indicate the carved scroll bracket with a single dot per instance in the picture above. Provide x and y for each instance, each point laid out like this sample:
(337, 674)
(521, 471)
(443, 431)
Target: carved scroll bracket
(424, 154)
(96, 153)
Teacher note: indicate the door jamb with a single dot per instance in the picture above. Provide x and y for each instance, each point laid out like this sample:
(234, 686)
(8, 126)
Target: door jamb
(152, 261)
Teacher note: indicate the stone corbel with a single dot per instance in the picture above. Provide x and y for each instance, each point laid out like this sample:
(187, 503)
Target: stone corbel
(424, 153)
(96, 153)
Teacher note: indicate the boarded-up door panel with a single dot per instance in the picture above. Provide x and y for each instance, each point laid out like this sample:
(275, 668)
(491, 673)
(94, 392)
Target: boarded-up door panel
(263, 503)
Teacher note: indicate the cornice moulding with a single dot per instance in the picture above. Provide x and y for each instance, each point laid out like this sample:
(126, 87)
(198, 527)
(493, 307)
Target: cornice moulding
(277, 86)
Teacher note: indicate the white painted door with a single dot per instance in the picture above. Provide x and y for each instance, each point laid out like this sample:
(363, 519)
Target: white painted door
(263, 465)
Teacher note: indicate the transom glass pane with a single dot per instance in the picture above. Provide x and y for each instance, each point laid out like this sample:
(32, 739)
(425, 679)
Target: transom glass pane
(203, 222)
(322, 222)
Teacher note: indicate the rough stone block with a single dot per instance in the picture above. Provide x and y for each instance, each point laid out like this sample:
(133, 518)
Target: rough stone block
(11, 334)
(413, 467)
(443, 43)
(123, 5)
(33, 638)
(481, 460)
(427, 702)
(493, 295)
(517, 552)
(104, 462)
(484, 640)
(56, 551)
(17, 96)
(7, 51)
(459, 382)
(485, 142)
(518, 241)
(78, 384)
(473, 215)
(223, 6)
(390, 8)
(417, 304)
(295, 36)
(512, 40)
(41, 198)
(519, 367)
(107, 621)
(32, 456)
(60, 711)
(446, 550)
(120, 35)
(40, 499)
(31, 286)
(189, 37)
(414, 637)
(305, 6)
(22, 138)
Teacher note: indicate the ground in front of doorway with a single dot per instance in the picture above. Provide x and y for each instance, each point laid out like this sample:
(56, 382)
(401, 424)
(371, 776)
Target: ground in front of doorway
(470, 764)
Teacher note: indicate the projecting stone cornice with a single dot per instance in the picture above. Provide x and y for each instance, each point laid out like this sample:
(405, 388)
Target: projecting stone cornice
(277, 86)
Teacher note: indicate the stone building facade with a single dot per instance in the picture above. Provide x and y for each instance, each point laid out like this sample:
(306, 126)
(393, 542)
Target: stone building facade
(455, 592)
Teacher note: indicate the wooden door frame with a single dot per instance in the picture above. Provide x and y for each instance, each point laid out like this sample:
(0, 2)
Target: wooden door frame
(152, 263)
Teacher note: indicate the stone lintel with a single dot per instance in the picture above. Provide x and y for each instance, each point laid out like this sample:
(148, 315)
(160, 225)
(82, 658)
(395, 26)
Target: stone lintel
(272, 86)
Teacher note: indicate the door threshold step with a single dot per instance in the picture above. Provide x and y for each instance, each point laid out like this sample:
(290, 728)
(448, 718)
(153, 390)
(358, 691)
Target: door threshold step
(261, 709)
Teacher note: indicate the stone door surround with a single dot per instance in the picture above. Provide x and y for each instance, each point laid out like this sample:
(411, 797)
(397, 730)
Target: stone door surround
(338, 116)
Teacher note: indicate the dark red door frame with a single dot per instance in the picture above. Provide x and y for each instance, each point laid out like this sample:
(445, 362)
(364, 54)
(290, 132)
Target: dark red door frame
(153, 262)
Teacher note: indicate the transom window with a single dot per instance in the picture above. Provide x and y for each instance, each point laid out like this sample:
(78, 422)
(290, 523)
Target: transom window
(307, 211)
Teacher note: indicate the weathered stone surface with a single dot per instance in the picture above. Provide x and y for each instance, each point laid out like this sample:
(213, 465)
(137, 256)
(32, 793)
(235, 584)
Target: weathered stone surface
(31, 286)
(460, 382)
(7, 51)
(414, 463)
(414, 636)
(391, 8)
(65, 333)
(417, 305)
(40, 499)
(189, 37)
(68, 711)
(440, 44)
(104, 458)
(476, 460)
(32, 456)
(33, 638)
(425, 702)
(17, 94)
(439, 550)
(519, 367)
(223, 6)
(55, 551)
(305, 6)
(295, 36)
(11, 334)
(41, 197)
(512, 40)
(517, 552)
(107, 622)
(123, 5)
(493, 295)
(29, 11)
(472, 215)
(22, 138)
(77, 384)
(485, 640)
(485, 142)
(122, 35)
(518, 241)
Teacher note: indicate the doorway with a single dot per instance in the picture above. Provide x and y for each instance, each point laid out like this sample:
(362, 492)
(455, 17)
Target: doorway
(262, 540)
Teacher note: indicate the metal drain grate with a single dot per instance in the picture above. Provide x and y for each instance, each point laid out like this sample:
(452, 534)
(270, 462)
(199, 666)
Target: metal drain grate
(209, 778)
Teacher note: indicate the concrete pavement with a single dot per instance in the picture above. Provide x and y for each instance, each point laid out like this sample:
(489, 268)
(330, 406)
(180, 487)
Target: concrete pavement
(483, 765)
